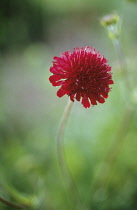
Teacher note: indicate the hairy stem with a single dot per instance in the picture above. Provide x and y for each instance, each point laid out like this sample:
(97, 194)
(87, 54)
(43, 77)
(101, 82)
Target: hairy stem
(122, 62)
(9, 203)
(59, 138)
(120, 54)
(66, 173)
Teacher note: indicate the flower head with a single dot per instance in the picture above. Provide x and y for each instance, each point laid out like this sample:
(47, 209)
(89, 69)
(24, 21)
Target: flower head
(112, 23)
(110, 20)
(83, 75)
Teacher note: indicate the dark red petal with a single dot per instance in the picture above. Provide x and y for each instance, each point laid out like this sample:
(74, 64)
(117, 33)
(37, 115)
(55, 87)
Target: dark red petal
(55, 70)
(85, 102)
(61, 92)
(93, 100)
(72, 97)
(54, 78)
(54, 82)
(110, 82)
(101, 100)
(105, 94)
(78, 96)
(56, 58)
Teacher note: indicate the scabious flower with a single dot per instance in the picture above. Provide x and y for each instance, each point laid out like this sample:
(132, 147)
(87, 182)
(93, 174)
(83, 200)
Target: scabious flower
(83, 75)
(110, 20)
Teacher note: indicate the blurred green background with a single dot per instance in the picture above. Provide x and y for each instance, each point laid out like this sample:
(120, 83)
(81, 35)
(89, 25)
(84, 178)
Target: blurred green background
(100, 142)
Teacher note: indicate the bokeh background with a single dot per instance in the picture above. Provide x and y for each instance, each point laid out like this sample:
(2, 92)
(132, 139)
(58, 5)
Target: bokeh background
(100, 142)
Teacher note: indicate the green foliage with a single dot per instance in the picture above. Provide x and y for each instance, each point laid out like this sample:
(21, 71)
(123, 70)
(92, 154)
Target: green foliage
(100, 142)
(132, 0)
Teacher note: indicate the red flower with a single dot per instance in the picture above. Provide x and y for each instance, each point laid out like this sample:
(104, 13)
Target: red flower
(83, 75)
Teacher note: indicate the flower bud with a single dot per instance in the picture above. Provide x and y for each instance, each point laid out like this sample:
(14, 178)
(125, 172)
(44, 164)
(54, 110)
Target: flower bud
(108, 20)
(111, 24)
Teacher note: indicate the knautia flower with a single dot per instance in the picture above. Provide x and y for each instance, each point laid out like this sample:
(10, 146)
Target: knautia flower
(83, 75)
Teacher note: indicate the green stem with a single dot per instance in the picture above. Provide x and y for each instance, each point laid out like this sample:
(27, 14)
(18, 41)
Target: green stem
(60, 134)
(104, 173)
(66, 173)
(120, 54)
(122, 62)
(9, 203)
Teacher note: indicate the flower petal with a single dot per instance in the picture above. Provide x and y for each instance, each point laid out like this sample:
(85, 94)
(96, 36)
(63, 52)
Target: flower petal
(54, 78)
(93, 100)
(78, 96)
(54, 82)
(72, 97)
(85, 102)
(105, 94)
(61, 92)
(110, 82)
(101, 100)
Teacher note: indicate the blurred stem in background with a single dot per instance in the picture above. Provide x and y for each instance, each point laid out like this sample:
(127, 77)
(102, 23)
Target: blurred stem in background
(104, 174)
(22, 201)
(11, 204)
(113, 25)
